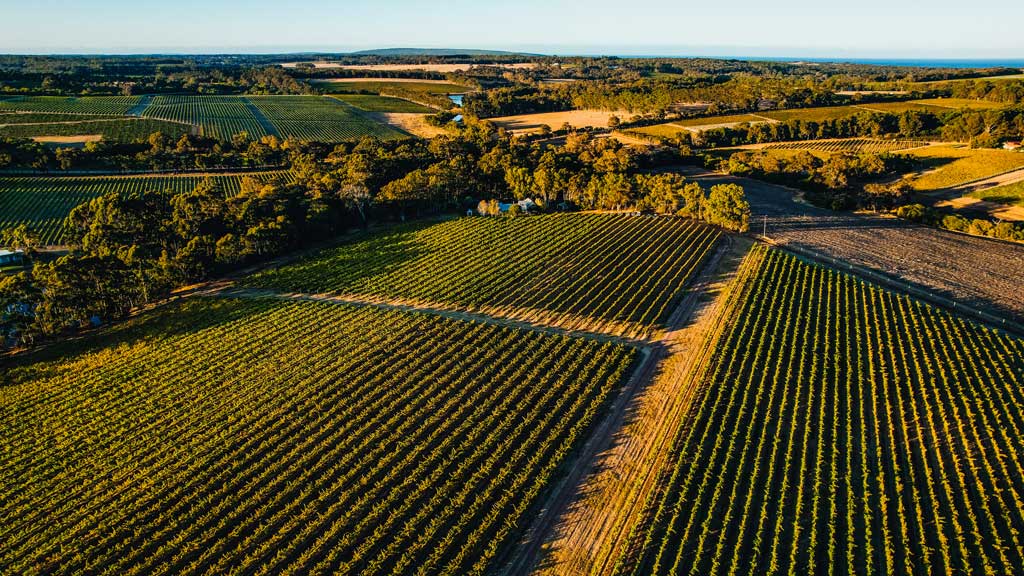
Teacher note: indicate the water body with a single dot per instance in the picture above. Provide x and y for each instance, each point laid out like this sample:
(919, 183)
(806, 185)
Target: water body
(456, 98)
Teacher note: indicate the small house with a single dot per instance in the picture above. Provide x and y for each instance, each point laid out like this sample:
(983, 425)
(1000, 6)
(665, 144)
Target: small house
(524, 205)
(11, 257)
(1011, 145)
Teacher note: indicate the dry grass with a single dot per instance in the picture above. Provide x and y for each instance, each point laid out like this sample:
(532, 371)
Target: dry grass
(576, 118)
(78, 139)
(412, 123)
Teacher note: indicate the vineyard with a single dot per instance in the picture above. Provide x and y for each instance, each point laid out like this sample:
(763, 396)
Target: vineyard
(325, 439)
(951, 165)
(845, 429)
(108, 105)
(374, 103)
(43, 202)
(847, 145)
(218, 116)
(303, 117)
(621, 271)
(320, 119)
(117, 130)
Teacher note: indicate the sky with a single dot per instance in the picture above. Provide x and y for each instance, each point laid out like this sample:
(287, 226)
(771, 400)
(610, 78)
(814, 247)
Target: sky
(766, 28)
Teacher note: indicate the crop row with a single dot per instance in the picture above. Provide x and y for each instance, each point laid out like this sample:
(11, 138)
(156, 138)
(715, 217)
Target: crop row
(600, 266)
(116, 130)
(218, 116)
(110, 105)
(843, 429)
(848, 145)
(325, 440)
(43, 202)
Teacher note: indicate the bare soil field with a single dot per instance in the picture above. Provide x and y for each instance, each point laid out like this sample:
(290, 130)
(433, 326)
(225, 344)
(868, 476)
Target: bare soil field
(442, 68)
(979, 272)
(410, 122)
(575, 118)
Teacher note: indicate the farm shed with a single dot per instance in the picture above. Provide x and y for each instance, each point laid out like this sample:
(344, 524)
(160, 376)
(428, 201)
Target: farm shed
(10, 257)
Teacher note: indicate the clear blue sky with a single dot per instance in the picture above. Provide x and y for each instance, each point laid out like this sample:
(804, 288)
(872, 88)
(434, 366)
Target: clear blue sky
(865, 28)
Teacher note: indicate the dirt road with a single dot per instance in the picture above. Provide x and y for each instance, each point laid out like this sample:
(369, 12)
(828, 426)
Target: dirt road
(980, 272)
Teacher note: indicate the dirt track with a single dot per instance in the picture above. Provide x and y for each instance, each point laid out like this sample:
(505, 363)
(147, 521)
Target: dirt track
(983, 273)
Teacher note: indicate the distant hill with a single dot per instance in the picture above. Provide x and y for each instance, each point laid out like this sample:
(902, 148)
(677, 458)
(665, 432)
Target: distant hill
(436, 52)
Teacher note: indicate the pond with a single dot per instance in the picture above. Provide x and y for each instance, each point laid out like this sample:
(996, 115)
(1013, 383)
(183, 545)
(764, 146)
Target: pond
(456, 98)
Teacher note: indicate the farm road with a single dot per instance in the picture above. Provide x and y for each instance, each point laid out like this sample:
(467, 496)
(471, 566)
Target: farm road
(980, 272)
(265, 123)
(437, 310)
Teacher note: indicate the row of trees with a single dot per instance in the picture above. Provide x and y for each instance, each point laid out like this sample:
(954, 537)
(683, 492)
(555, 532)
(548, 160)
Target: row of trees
(982, 128)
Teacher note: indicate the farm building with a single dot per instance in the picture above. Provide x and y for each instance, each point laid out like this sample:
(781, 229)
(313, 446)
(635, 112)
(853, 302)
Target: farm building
(525, 205)
(1012, 145)
(11, 257)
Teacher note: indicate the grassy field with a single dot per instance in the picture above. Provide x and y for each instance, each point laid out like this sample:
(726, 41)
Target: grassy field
(219, 436)
(1010, 194)
(843, 428)
(619, 271)
(952, 165)
(43, 202)
(374, 103)
(118, 130)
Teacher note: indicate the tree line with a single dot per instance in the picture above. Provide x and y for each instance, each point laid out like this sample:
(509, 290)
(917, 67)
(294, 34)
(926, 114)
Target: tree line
(127, 250)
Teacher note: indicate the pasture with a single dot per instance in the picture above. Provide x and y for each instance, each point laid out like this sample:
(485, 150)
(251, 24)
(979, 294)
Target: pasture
(841, 427)
(215, 436)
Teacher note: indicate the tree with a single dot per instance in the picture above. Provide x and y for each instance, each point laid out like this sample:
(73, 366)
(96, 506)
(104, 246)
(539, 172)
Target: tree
(614, 121)
(694, 198)
(727, 207)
